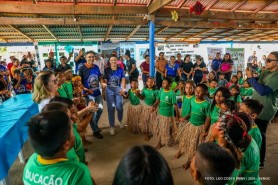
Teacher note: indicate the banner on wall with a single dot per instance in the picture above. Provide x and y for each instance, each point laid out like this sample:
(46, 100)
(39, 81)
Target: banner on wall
(212, 53)
(107, 48)
(237, 55)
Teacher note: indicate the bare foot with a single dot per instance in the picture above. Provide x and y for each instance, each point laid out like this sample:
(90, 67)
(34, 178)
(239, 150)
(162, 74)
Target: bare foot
(178, 155)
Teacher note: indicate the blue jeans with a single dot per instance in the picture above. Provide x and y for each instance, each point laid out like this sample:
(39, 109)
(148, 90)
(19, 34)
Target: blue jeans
(114, 99)
(184, 77)
(96, 116)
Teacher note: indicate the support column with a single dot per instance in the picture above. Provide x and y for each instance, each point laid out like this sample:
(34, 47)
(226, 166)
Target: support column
(152, 48)
(57, 55)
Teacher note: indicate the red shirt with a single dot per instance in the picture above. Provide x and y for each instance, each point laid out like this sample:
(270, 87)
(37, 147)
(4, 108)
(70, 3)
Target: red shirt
(145, 66)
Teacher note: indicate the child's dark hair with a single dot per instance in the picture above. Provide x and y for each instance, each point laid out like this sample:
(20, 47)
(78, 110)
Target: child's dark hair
(66, 101)
(17, 71)
(214, 161)
(55, 106)
(182, 81)
(134, 80)
(235, 76)
(151, 78)
(190, 82)
(143, 165)
(169, 80)
(225, 92)
(246, 119)
(247, 83)
(213, 80)
(235, 133)
(238, 91)
(254, 105)
(231, 104)
(204, 87)
(240, 73)
(48, 131)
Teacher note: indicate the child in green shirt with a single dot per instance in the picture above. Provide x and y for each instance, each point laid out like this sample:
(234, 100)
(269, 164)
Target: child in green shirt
(195, 129)
(185, 113)
(240, 78)
(68, 84)
(134, 110)
(60, 81)
(149, 94)
(212, 88)
(164, 129)
(253, 108)
(246, 91)
(51, 136)
(235, 94)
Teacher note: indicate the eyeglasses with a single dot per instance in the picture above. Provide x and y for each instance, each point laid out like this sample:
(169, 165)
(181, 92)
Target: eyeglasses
(270, 60)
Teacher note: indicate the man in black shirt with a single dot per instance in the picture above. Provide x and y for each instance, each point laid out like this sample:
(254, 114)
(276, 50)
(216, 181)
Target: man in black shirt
(187, 68)
(133, 72)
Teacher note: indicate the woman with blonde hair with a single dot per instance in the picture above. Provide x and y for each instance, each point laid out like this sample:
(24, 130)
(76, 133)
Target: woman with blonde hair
(45, 88)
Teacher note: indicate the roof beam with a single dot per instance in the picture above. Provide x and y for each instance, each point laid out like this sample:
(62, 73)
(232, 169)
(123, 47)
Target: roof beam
(108, 32)
(179, 33)
(80, 32)
(267, 35)
(255, 35)
(239, 5)
(64, 9)
(50, 32)
(161, 30)
(182, 3)
(68, 21)
(22, 33)
(267, 3)
(212, 4)
(197, 34)
(158, 4)
(133, 32)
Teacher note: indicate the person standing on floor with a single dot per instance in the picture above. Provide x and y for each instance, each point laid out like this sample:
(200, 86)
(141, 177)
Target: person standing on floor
(215, 64)
(115, 87)
(132, 70)
(91, 76)
(226, 66)
(199, 68)
(186, 68)
(160, 66)
(266, 91)
(145, 68)
(179, 60)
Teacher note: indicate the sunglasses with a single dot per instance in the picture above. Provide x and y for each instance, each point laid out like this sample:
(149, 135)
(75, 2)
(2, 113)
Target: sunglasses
(270, 60)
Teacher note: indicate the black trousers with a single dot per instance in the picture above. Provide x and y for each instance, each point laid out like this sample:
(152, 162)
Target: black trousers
(262, 125)
(228, 76)
(158, 80)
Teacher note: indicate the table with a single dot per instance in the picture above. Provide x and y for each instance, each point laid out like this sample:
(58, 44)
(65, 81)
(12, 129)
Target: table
(14, 113)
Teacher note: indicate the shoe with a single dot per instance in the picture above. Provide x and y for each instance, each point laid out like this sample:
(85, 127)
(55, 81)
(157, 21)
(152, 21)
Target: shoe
(112, 131)
(122, 126)
(98, 135)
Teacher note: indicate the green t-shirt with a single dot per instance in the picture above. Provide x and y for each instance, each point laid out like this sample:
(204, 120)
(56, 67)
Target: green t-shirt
(211, 92)
(237, 99)
(241, 81)
(134, 100)
(269, 101)
(249, 166)
(185, 109)
(178, 92)
(69, 89)
(78, 145)
(199, 112)
(62, 92)
(58, 172)
(255, 133)
(214, 114)
(246, 91)
(72, 156)
(150, 96)
(167, 99)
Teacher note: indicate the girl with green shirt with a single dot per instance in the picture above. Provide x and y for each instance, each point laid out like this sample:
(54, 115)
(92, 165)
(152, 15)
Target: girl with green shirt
(240, 78)
(165, 127)
(235, 95)
(149, 94)
(246, 90)
(198, 117)
(68, 84)
(231, 133)
(185, 112)
(134, 110)
(61, 80)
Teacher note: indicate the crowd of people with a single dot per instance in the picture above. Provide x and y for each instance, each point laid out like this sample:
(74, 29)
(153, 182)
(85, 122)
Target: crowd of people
(218, 119)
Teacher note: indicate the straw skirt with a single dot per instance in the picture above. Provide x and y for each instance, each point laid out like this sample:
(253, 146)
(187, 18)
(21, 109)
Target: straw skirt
(190, 140)
(147, 120)
(134, 113)
(163, 129)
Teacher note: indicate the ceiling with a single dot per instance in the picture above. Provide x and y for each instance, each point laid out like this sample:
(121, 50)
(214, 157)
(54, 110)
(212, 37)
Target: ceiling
(127, 20)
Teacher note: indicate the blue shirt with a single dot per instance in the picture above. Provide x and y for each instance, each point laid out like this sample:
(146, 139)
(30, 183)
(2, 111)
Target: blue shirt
(215, 64)
(22, 88)
(172, 71)
(114, 77)
(3, 69)
(79, 63)
(90, 78)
